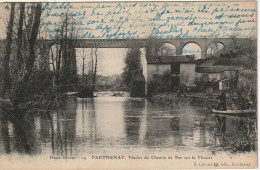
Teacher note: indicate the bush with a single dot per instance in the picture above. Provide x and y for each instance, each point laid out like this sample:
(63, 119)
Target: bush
(152, 88)
(247, 88)
(160, 84)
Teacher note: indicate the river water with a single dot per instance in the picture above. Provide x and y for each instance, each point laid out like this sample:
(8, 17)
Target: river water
(125, 125)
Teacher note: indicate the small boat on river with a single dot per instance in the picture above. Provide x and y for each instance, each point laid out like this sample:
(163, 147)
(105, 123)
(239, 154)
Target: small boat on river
(234, 112)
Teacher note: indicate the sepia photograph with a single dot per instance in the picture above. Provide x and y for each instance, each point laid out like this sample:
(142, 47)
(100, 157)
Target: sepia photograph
(128, 85)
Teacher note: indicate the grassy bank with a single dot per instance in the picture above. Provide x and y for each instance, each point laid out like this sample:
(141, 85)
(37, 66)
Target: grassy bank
(194, 98)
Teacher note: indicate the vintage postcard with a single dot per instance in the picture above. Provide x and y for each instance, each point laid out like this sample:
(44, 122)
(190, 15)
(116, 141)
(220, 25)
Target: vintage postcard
(128, 85)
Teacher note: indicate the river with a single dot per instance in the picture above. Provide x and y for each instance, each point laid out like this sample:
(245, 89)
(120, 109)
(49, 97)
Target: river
(125, 125)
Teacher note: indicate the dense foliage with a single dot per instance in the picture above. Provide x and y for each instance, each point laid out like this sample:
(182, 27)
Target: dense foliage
(132, 65)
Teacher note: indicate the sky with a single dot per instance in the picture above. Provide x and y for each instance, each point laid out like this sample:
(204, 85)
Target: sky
(192, 48)
(110, 60)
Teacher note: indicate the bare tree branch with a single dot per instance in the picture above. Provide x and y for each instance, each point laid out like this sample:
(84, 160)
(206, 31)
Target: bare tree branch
(8, 51)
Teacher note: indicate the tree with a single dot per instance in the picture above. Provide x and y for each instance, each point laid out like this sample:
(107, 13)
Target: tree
(84, 81)
(33, 37)
(93, 64)
(132, 66)
(63, 56)
(247, 47)
(89, 81)
(67, 54)
(30, 60)
(32, 83)
(95, 70)
(20, 35)
(9, 39)
(240, 52)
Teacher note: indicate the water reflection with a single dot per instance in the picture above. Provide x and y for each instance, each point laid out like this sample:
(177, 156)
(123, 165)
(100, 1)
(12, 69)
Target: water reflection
(202, 126)
(5, 134)
(236, 133)
(18, 135)
(100, 124)
(133, 113)
(23, 138)
(175, 128)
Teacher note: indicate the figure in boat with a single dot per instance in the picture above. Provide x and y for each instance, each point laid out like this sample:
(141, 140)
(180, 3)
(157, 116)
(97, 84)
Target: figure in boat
(222, 101)
(240, 101)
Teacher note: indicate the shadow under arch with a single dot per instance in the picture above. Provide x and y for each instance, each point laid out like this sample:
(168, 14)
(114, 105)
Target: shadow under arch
(167, 49)
(192, 48)
(214, 48)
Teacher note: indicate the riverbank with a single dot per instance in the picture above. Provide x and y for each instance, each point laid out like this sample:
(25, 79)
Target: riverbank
(103, 94)
(200, 99)
(112, 93)
(209, 101)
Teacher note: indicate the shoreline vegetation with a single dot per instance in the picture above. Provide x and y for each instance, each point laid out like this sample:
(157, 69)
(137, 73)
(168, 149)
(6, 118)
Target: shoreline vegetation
(168, 98)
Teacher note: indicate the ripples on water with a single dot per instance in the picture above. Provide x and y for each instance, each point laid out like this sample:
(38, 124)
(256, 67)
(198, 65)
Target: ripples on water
(127, 125)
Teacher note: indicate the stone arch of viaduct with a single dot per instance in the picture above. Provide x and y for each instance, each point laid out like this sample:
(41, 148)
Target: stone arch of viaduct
(203, 43)
(152, 45)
